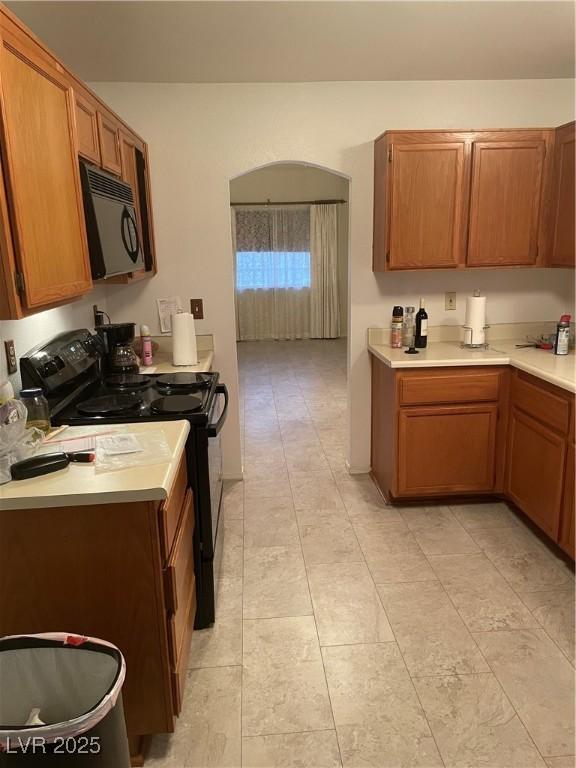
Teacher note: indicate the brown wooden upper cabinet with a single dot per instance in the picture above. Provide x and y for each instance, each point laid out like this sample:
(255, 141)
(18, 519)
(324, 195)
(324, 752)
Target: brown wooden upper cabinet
(420, 200)
(42, 232)
(109, 133)
(87, 128)
(454, 199)
(562, 250)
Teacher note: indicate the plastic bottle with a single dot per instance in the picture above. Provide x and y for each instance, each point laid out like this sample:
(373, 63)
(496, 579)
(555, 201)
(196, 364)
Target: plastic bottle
(408, 327)
(146, 345)
(421, 337)
(396, 328)
(562, 335)
(37, 407)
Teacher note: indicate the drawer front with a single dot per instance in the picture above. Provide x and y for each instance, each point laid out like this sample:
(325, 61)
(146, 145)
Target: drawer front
(179, 572)
(171, 508)
(550, 408)
(180, 668)
(463, 386)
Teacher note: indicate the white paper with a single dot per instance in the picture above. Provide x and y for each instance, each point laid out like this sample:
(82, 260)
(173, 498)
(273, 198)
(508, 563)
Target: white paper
(70, 445)
(118, 444)
(167, 308)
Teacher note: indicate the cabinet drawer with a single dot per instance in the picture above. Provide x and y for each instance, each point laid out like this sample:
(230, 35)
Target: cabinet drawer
(181, 666)
(179, 572)
(171, 508)
(463, 386)
(548, 407)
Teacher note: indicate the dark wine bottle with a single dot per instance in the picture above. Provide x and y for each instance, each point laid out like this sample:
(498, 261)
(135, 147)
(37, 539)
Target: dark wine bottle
(421, 337)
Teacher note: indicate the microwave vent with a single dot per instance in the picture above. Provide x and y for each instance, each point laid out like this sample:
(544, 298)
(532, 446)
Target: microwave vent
(106, 186)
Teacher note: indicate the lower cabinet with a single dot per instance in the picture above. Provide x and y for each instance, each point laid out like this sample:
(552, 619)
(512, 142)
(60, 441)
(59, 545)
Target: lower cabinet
(436, 432)
(133, 584)
(567, 524)
(447, 449)
(535, 475)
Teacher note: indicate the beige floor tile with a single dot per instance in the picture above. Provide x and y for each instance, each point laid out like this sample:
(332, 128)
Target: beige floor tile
(539, 681)
(378, 540)
(474, 724)
(482, 596)
(378, 717)
(233, 500)
(312, 490)
(367, 512)
(567, 761)
(403, 567)
(218, 646)
(285, 698)
(431, 635)
(515, 540)
(330, 543)
(318, 749)
(437, 531)
(228, 596)
(275, 583)
(346, 605)
(230, 544)
(208, 730)
(305, 459)
(286, 640)
(322, 516)
(478, 516)
(533, 571)
(272, 487)
(270, 523)
(554, 610)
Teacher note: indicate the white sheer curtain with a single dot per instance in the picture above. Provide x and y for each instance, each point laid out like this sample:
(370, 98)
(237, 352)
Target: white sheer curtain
(324, 309)
(272, 273)
(286, 272)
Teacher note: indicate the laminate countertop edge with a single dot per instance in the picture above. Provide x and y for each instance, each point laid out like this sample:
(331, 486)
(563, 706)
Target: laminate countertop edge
(557, 370)
(134, 484)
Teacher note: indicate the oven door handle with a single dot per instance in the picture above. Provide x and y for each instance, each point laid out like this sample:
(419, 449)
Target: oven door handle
(214, 429)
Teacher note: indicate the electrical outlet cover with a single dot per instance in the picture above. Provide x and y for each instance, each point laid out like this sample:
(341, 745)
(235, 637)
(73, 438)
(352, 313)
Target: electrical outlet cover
(11, 362)
(450, 300)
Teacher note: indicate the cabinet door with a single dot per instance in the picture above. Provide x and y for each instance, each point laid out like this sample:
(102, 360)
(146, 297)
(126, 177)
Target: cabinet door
(536, 470)
(426, 200)
(446, 450)
(41, 174)
(505, 202)
(109, 134)
(567, 525)
(563, 203)
(87, 129)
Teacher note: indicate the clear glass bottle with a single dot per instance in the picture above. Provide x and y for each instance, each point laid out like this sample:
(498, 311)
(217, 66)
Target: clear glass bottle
(37, 407)
(409, 327)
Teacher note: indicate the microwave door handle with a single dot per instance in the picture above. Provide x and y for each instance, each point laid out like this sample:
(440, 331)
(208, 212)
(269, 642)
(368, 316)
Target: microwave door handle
(214, 429)
(127, 223)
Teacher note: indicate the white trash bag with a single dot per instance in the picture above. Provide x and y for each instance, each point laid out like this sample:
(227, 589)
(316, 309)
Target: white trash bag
(17, 442)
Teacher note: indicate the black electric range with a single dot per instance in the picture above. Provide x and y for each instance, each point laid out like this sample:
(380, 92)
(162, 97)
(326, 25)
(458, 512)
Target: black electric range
(68, 368)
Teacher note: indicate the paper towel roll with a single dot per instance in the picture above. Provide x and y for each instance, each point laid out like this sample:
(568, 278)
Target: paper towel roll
(475, 320)
(184, 350)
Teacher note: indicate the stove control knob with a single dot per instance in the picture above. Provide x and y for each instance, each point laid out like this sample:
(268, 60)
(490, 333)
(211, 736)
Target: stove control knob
(50, 368)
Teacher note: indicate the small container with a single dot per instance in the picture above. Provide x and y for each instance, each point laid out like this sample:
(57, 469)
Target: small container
(409, 327)
(562, 336)
(146, 345)
(37, 407)
(396, 328)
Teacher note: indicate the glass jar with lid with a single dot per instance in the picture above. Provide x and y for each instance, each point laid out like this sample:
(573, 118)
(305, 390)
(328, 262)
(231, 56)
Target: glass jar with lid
(37, 407)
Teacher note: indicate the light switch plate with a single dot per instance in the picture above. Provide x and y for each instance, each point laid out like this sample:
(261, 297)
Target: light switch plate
(197, 308)
(11, 362)
(450, 300)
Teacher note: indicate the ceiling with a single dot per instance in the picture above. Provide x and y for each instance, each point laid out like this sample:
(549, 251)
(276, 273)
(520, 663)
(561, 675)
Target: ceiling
(151, 41)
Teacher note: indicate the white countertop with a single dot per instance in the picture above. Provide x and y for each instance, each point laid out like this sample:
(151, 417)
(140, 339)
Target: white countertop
(557, 369)
(80, 485)
(163, 364)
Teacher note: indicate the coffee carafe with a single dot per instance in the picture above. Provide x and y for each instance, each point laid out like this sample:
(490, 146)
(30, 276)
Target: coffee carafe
(119, 356)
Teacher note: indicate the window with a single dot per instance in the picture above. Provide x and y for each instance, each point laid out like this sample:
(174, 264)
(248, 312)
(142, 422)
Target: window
(264, 270)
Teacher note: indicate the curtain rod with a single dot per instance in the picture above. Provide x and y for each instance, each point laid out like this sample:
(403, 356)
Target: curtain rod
(294, 202)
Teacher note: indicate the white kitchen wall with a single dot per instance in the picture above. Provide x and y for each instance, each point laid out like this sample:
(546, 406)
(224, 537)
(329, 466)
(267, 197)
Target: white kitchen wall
(203, 135)
(289, 182)
(30, 331)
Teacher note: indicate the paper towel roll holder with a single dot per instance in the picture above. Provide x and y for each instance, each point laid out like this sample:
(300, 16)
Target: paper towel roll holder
(484, 345)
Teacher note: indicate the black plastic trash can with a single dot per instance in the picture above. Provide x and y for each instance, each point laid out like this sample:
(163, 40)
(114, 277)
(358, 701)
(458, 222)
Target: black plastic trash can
(61, 702)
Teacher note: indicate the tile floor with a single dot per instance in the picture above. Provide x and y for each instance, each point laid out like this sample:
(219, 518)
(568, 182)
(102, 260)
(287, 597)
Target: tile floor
(354, 634)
